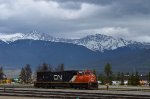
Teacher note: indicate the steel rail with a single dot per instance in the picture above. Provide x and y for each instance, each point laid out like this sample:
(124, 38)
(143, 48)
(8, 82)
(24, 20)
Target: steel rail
(66, 94)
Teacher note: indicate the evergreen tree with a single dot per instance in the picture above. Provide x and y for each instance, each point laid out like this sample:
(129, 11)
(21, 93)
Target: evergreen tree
(1, 73)
(137, 79)
(94, 72)
(101, 78)
(60, 67)
(108, 72)
(149, 77)
(127, 75)
(50, 67)
(118, 76)
(26, 74)
(22, 76)
(114, 77)
(44, 67)
(131, 78)
(134, 79)
(122, 78)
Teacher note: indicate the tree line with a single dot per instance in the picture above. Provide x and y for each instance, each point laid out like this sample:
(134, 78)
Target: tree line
(48, 67)
(107, 76)
(26, 72)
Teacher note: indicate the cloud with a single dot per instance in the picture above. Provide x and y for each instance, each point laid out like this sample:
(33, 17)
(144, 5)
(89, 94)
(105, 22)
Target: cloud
(141, 38)
(118, 32)
(49, 16)
(77, 18)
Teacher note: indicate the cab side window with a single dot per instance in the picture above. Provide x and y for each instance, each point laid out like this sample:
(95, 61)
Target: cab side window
(80, 73)
(87, 73)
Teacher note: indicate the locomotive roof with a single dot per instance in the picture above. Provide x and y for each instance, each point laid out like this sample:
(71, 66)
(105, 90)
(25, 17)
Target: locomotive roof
(62, 71)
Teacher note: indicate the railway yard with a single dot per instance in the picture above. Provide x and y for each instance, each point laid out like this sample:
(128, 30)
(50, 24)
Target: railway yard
(17, 91)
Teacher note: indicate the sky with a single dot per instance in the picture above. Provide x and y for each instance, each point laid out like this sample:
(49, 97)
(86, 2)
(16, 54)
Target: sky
(128, 19)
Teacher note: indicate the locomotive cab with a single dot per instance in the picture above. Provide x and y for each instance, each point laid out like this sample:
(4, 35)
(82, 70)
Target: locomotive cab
(85, 76)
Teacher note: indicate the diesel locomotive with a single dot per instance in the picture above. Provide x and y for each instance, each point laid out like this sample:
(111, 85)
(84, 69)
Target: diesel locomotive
(67, 79)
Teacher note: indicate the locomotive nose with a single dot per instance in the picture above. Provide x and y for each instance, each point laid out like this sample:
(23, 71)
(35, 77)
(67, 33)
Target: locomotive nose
(92, 79)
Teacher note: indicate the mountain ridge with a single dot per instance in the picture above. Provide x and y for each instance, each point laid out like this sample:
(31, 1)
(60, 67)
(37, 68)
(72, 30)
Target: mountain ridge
(97, 42)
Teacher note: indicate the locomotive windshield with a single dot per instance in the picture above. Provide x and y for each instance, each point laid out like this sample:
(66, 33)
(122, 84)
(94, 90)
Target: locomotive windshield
(80, 73)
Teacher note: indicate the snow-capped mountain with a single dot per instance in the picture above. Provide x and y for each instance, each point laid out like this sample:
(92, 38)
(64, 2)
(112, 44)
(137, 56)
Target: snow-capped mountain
(100, 42)
(10, 37)
(97, 42)
(18, 36)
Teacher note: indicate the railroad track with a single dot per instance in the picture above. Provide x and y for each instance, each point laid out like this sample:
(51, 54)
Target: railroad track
(65, 94)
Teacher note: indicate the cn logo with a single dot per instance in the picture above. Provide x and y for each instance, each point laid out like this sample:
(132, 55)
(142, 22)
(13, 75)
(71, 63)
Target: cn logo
(57, 77)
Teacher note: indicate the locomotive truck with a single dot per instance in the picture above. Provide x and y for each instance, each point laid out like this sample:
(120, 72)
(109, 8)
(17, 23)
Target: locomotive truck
(84, 79)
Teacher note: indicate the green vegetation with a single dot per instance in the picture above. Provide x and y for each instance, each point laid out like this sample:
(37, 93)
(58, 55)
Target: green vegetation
(44, 67)
(122, 78)
(107, 70)
(25, 74)
(60, 67)
(94, 72)
(48, 67)
(101, 78)
(149, 77)
(1, 73)
(134, 79)
(108, 76)
(108, 73)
